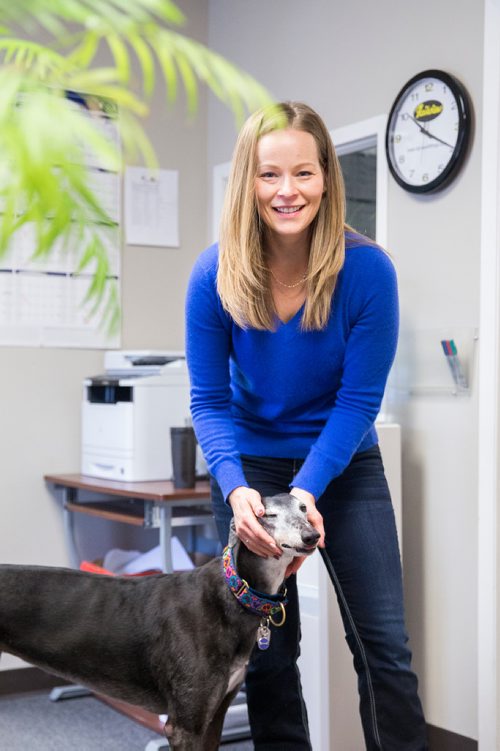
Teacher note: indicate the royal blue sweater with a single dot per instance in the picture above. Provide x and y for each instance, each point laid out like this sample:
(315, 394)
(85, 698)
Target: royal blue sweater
(287, 393)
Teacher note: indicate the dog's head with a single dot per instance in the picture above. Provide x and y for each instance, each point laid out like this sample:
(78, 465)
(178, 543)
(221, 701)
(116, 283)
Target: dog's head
(285, 519)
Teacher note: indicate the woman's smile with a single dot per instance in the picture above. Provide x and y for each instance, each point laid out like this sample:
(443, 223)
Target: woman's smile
(288, 210)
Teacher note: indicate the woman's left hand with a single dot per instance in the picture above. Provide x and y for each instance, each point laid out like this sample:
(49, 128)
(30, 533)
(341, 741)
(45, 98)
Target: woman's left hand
(315, 518)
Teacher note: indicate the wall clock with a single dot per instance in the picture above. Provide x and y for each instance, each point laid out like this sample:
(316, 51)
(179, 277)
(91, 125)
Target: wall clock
(428, 131)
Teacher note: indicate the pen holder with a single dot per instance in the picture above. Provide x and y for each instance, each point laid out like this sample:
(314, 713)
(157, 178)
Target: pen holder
(434, 362)
(183, 443)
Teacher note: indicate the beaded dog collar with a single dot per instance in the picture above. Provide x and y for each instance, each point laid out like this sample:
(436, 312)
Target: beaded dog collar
(261, 604)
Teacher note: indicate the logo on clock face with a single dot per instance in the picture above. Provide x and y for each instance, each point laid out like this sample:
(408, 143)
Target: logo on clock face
(426, 111)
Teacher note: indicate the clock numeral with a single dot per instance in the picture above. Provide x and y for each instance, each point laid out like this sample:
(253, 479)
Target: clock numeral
(404, 116)
(425, 177)
(429, 86)
(402, 159)
(415, 96)
(440, 168)
(397, 139)
(412, 172)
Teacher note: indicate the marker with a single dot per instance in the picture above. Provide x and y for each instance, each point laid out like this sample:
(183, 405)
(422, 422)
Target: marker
(450, 351)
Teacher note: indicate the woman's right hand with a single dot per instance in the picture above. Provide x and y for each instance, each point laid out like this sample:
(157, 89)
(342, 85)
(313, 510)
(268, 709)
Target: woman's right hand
(247, 505)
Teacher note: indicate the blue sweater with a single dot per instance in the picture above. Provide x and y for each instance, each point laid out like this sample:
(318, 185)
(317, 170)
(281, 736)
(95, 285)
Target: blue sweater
(287, 393)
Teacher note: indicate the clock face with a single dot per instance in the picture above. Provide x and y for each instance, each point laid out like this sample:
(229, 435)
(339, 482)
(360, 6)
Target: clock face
(428, 131)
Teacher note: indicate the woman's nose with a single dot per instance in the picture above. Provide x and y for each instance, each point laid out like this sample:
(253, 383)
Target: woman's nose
(287, 186)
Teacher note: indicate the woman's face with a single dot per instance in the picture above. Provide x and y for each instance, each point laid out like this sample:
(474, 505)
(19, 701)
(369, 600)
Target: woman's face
(289, 185)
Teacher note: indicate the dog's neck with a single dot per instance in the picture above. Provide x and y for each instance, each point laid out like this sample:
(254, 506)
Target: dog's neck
(263, 574)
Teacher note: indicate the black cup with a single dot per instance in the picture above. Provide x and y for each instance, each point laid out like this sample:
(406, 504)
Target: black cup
(183, 444)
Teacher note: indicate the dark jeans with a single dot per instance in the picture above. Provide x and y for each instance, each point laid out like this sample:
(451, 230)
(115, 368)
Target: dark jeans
(364, 565)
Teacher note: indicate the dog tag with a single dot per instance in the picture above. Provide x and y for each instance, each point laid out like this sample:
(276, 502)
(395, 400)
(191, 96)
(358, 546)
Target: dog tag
(263, 635)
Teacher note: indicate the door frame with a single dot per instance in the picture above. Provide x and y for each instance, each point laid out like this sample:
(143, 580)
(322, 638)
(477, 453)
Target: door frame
(488, 383)
(360, 135)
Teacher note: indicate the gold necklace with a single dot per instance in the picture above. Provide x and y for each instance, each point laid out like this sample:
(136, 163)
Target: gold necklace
(288, 286)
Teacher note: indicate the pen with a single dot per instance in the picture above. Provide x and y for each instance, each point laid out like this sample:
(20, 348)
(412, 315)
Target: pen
(450, 351)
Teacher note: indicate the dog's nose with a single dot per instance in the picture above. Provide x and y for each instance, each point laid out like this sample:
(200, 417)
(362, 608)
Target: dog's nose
(310, 538)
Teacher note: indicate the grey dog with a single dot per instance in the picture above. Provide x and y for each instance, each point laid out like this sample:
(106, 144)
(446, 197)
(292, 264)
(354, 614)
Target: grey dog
(175, 644)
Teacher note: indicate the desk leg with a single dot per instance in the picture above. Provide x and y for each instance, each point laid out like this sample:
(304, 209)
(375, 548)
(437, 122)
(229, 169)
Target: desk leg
(69, 494)
(157, 744)
(69, 528)
(69, 692)
(166, 538)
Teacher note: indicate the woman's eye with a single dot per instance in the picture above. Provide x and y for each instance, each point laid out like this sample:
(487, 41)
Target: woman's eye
(268, 175)
(305, 173)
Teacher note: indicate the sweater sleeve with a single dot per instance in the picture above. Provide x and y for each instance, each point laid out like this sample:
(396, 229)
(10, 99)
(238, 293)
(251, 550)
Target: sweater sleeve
(208, 344)
(373, 314)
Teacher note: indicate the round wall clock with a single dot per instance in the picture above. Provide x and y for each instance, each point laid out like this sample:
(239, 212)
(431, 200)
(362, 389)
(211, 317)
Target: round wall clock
(428, 131)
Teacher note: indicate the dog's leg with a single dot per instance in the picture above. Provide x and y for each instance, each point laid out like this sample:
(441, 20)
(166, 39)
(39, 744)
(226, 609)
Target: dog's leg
(181, 739)
(198, 727)
(212, 737)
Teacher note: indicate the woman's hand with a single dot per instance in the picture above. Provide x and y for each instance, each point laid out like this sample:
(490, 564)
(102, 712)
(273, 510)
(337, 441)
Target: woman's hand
(247, 505)
(315, 519)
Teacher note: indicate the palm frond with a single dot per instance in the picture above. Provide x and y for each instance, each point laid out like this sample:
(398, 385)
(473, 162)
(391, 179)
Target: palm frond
(104, 14)
(144, 55)
(45, 138)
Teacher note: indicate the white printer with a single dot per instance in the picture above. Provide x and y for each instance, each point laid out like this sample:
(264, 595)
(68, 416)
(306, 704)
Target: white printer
(127, 413)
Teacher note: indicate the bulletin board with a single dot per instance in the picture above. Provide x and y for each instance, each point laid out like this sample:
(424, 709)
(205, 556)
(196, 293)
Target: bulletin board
(42, 300)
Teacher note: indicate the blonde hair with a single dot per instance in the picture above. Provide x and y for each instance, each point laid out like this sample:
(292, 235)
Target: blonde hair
(242, 276)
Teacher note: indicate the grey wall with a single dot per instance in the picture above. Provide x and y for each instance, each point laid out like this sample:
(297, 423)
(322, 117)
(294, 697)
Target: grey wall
(349, 60)
(154, 279)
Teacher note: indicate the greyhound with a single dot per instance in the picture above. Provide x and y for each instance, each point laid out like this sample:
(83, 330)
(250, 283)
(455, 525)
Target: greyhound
(175, 644)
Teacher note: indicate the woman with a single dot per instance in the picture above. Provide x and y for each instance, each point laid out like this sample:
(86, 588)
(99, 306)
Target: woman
(291, 331)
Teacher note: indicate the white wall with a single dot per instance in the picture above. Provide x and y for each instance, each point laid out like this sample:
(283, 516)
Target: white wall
(349, 60)
(41, 388)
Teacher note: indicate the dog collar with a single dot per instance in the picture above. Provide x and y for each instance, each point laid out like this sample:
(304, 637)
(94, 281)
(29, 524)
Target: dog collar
(261, 604)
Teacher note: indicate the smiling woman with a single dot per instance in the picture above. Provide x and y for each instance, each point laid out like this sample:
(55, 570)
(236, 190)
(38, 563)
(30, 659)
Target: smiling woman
(291, 325)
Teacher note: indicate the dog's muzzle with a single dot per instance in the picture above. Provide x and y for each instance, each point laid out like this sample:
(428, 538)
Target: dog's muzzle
(310, 543)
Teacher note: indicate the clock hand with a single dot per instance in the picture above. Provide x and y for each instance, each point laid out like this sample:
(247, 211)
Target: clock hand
(429, 135)
(438, 139)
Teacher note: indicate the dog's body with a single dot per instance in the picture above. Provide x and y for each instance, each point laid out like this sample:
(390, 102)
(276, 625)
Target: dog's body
(175, 644)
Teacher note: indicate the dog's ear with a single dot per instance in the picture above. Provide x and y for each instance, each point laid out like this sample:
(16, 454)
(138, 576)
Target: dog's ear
(233, 537)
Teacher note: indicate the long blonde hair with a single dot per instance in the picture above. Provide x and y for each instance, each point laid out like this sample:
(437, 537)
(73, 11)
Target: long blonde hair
(242, 276)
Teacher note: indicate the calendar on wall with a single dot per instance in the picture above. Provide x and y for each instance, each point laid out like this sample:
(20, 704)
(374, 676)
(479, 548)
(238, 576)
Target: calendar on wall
(42, 300)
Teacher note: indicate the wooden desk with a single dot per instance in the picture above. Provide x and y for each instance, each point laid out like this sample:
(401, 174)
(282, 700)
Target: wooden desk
(153, 505)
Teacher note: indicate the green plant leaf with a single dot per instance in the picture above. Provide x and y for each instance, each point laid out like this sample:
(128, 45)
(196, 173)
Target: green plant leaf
(168, 68)
(121, 57)
(84, 53)
(47, 139)
(143, 53)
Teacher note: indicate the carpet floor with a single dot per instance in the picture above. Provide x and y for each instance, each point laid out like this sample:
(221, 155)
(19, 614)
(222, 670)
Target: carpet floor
(32, 721)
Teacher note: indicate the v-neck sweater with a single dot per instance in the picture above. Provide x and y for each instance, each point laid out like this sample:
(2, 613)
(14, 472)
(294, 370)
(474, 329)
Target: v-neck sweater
(288, 393)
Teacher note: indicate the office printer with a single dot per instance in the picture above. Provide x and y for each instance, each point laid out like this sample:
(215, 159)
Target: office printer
(127, 413)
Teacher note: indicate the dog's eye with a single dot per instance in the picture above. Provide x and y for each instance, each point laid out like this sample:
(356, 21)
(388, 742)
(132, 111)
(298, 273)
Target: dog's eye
(303, 507)
(270, 516)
